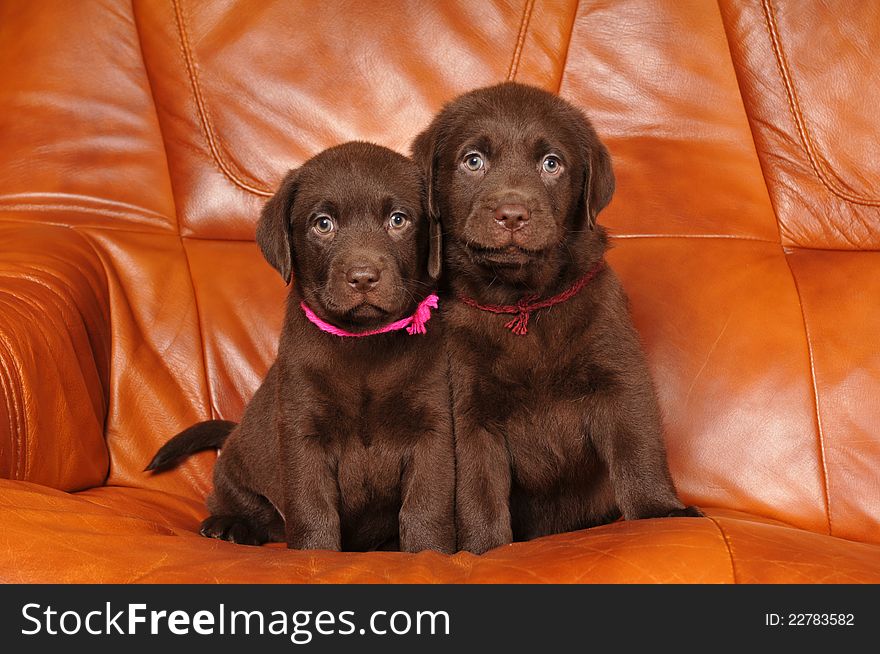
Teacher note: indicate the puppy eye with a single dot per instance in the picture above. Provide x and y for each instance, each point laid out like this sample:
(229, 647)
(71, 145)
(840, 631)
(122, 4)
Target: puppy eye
(551, 164)
(324, 224)
(397, 220)
(473, 161)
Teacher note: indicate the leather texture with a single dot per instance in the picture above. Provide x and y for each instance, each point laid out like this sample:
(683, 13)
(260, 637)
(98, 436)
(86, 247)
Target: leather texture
(140, 140)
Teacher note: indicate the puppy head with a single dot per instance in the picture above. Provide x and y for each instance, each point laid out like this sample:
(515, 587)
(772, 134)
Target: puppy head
(350, 226)
(517, 175)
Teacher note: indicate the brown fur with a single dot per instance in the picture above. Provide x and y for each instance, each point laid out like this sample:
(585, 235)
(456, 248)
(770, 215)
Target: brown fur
(347, 444)
(558, 429)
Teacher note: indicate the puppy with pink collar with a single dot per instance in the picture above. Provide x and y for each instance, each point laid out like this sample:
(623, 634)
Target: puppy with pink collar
(347, 444)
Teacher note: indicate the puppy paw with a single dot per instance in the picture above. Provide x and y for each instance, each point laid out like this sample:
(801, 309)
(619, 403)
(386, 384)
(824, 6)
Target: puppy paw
(664, 511)
(314, 540)
(234, 529)
(483, 542)
(686, 512)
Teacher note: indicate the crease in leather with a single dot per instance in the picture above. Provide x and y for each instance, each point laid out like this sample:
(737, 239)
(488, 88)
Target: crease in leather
(17, 425)
(87, 496)
(122, 228)
(792, 247)
(208, 400)
(577, 7)
(74, 308)
(836, 231)
(748, 114)
(105, 376)
(111, 361)
(230, 170)
(78, 209)
(829, 178)
(18, 421)
(779, 227)
(819, 429)
(110, 357)
(520, 40)
(113, 511)
(170, 177)
(81, 202)
(108, 313)
(727, 545)
(209, 386)
(23, 456)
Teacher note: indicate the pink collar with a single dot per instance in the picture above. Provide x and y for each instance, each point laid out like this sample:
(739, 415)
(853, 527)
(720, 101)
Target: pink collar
(415, 324)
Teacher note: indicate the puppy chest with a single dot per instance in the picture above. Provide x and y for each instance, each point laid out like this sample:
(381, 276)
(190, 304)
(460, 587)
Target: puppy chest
(364, 422)
(368, 441)
(369, 479)
(544, 427)
(547, 445)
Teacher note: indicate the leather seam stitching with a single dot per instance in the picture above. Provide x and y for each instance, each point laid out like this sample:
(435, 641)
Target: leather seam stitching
(520, 41)
(728, 237)
(728, 546)
(819, 429)
(800, 122)
(204, 118)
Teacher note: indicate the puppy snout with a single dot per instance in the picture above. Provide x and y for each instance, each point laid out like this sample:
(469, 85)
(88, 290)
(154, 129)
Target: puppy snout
(512, 216)
(363, 278)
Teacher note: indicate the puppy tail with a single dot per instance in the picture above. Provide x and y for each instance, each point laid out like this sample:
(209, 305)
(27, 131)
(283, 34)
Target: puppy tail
(201, 436)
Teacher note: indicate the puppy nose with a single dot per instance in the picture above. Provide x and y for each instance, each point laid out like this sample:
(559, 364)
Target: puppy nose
(512, 216)
(362, 278)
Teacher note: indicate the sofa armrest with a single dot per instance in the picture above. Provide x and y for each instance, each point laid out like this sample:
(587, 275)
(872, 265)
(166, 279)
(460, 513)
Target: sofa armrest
(54, 356)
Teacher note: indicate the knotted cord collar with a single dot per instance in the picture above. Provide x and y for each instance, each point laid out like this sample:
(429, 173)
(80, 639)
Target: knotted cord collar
(523, 309)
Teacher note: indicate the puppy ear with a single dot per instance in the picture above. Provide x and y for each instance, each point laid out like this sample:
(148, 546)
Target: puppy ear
(599, 182)
(424, 153)
(435, 249)
(273, 230)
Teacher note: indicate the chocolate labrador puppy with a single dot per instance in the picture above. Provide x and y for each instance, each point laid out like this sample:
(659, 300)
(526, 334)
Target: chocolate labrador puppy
(347, 444)
(556, 421)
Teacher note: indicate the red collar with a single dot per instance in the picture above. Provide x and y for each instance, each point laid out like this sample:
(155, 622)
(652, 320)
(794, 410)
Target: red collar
(523, 309)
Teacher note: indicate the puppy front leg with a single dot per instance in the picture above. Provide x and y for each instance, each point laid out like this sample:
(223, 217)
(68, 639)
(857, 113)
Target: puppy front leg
(630, 441)
(311, 497)
(427, 514)
(482, 499)
(238, 514)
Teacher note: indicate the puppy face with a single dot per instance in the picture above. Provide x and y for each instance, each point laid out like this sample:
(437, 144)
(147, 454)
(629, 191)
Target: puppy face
(351, 227)
(517, 176)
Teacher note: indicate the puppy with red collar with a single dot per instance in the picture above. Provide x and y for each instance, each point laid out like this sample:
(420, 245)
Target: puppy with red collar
(556, 420)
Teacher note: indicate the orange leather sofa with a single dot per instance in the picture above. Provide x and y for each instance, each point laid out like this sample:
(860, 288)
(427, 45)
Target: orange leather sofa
(137, 143)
